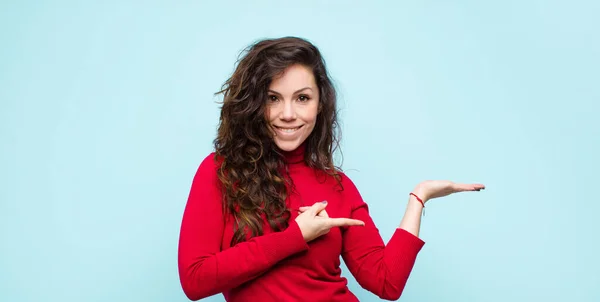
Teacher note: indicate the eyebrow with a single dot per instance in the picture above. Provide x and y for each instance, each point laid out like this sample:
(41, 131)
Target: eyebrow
(297, 91)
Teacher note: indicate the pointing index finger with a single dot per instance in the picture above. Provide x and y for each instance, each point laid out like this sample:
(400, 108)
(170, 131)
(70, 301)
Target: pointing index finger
(340, 222)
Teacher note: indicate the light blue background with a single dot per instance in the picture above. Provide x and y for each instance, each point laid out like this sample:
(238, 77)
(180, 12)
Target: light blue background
(107, 108)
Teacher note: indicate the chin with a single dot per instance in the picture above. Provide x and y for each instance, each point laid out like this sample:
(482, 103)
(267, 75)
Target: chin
(288, 145)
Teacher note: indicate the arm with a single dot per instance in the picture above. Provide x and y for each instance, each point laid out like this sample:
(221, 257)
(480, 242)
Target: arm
(411, 221)
(382, 270)
(204, 269)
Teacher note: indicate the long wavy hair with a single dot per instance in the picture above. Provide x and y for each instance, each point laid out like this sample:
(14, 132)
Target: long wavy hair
(252, 170)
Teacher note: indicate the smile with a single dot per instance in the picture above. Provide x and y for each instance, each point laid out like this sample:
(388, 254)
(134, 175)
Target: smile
(287, 130)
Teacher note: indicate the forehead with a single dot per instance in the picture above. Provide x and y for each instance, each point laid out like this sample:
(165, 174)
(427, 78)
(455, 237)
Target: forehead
(293, 78)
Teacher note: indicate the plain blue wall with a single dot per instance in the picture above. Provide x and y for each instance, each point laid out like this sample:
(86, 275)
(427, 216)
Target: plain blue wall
(108, 108)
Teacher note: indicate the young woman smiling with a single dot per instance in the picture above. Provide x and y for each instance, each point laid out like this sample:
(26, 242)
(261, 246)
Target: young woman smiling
(268, 214)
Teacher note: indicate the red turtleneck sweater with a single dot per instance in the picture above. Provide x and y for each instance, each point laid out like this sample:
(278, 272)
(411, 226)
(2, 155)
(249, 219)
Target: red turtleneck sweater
(281, 266)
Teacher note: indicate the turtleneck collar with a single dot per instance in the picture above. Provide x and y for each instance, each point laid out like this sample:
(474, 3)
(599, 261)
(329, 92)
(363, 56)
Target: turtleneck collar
(295, 156)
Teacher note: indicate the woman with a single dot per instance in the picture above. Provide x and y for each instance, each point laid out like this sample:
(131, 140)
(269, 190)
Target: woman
(268, 214)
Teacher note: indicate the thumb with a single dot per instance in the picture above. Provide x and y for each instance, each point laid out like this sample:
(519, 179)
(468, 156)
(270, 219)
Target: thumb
(317, 207)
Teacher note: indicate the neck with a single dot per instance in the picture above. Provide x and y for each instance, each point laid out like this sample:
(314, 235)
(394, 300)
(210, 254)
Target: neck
(295, 156)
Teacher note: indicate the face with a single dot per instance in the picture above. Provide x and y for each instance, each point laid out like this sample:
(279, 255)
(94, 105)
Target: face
(292, 106)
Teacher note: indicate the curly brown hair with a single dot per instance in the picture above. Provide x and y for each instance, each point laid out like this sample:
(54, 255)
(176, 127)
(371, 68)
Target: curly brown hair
(252, 172)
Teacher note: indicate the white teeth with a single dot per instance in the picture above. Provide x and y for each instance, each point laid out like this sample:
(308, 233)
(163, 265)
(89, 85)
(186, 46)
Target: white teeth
(288, 130)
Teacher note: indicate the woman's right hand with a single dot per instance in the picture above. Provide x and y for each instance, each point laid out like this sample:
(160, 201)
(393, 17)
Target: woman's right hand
(314, 225)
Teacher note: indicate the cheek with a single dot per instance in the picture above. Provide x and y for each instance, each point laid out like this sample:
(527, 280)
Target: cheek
(311, 118)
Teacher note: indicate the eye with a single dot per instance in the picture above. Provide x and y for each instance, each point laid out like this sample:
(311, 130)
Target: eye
(272, 98)
(303, 98)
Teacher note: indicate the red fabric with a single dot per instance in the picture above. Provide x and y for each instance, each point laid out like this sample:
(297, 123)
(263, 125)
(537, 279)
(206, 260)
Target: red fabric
(281, 266)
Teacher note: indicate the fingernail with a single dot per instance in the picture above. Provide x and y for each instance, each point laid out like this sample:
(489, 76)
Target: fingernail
(324, 201)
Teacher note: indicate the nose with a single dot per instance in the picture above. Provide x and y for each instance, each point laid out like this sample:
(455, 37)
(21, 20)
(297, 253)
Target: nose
(288, 112)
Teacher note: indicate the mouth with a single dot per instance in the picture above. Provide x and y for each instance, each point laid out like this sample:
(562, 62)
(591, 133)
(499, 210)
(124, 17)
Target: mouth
(287, 130)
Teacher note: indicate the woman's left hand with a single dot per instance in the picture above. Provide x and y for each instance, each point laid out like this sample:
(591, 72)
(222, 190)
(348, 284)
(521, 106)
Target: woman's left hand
(431, 189)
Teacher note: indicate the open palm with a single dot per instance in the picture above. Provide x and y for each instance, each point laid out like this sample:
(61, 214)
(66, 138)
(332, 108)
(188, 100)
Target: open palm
(430, 189)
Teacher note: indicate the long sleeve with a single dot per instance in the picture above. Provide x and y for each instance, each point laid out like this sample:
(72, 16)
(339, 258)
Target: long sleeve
(205, 269)
(382, 270)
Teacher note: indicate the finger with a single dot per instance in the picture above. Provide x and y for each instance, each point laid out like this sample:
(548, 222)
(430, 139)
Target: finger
(478, 187)
(323, 214)
(339, 222)
(468, 187)
(317, 207)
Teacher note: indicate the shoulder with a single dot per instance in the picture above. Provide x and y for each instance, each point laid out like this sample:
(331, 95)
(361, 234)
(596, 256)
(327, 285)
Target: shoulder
(208, 167)
(206, 188)
(211, 161)
(343, 176)
(346, 182)
(349, 191)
